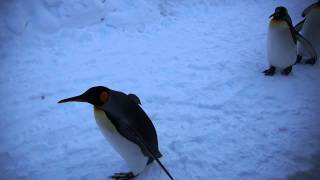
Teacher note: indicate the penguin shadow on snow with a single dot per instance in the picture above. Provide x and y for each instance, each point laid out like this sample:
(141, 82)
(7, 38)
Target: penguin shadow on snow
(311, 174)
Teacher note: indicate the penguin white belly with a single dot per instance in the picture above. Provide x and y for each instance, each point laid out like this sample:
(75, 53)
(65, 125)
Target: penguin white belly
(129, 151)
(281, 49)
(311, 31)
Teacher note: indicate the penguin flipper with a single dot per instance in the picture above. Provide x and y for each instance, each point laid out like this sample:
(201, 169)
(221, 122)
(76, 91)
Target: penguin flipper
(134, 124)
(308, 46)
(135, 98)
(126, 114)
(139, 135)
(287, 18)
(299, 26)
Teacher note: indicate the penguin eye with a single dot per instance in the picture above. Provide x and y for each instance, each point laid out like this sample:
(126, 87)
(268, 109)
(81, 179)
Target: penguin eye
(103, 97)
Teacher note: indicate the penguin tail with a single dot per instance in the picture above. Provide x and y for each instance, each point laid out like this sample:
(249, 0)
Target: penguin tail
(164, 169)
(158, 155)
(154, 156)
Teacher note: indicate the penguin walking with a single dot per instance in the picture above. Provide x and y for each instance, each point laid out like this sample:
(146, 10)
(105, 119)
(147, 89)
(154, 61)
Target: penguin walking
(281, 45)
(126, 126)
(310, 29)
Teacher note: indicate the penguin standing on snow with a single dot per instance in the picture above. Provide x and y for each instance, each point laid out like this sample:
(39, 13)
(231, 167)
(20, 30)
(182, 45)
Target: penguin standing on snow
(126, 126)
(310, 29)
(282, 39)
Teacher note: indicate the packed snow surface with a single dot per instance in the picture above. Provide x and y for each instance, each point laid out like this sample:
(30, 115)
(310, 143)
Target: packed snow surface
(196, 66)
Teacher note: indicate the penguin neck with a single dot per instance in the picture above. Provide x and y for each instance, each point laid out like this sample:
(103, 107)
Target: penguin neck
(278, 25)
(317, 8)
(277, 21)
(313, 10)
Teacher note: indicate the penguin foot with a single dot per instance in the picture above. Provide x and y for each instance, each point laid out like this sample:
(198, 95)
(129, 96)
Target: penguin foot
(298, 60)
(270, 71)
(311, 61)
(287, 71)
(122, 176)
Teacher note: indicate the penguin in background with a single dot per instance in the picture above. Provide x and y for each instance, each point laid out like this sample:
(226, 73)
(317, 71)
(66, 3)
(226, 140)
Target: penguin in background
(309, 28)
(126, 126)
(282, 40)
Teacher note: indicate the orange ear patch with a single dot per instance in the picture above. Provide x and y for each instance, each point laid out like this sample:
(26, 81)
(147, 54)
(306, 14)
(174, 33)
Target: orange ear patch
(104, 97)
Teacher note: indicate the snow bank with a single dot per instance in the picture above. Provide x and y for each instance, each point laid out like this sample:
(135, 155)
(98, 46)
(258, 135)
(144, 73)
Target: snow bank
(48, 16)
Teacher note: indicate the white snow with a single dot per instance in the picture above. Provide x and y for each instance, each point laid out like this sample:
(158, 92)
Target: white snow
(195, 65)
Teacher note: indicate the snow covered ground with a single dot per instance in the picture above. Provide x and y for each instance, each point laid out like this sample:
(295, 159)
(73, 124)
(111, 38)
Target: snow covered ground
(196, 66)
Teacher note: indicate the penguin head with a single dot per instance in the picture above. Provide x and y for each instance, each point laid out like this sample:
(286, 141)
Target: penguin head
(309, 8)
(96, 96)
(279, 13)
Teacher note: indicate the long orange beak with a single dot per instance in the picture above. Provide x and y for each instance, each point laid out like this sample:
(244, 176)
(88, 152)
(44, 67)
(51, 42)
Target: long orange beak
(74, 99)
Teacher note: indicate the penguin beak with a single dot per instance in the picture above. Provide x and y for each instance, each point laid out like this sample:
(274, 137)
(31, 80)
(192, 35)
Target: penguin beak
(80, 98)
(272, 15)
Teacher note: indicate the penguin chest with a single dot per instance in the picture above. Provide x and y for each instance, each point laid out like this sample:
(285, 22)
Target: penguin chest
(128, 150)
(281, 49)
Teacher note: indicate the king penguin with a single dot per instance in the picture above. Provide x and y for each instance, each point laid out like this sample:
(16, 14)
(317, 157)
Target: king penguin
(281, 45)
(126, 126)
(310, 29)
